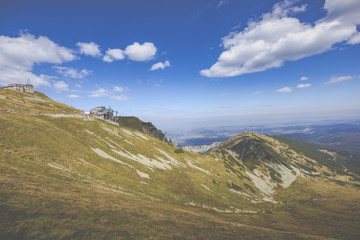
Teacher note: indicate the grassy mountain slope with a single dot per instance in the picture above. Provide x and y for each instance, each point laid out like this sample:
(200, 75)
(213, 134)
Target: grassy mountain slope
(273, 162)
(80, 178)
(32, 103)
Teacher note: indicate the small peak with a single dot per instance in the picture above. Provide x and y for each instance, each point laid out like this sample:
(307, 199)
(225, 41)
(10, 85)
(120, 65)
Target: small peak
(251, 134)
(247, 133)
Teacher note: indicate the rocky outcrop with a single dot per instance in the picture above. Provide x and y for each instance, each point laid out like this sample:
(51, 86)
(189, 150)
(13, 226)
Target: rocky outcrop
(201, 148)
(250, 146)
(145, 127)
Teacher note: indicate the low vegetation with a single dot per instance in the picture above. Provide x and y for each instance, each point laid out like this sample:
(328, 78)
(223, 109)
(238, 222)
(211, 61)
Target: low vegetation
(32, 103)
(74, 178)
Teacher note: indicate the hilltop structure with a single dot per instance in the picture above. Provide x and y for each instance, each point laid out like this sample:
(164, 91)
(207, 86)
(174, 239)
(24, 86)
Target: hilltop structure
(26, 88)
(102, 111)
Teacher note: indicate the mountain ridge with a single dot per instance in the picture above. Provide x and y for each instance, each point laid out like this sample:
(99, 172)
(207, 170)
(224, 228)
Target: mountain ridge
(145, 127)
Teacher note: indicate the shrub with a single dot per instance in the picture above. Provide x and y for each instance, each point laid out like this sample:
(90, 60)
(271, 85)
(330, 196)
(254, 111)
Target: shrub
(179, 150)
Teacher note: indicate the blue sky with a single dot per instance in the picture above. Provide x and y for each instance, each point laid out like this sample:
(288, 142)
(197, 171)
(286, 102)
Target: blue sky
(183, 64)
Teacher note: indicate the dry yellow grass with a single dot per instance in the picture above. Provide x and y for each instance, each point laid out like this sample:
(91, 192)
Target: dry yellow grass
(53, 185)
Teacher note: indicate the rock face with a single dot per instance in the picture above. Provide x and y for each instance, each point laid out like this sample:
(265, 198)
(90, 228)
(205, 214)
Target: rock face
(145, 127)
(201, 148)
(248, 148)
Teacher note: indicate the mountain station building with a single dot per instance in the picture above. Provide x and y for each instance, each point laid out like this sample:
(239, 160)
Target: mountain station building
(102, 111)
(26, 88)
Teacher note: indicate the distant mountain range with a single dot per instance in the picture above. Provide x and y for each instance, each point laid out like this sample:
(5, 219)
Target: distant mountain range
(343, 138)
(316, 133)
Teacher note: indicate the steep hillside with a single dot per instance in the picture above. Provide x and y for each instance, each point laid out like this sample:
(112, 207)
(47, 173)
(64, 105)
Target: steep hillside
(145, 127)
(82, 178)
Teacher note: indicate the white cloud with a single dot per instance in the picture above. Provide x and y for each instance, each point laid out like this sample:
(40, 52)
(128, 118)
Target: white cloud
(11, 75)
(113, 54)
(120, 98)
(141, 52)
(338, 79)
(26, 50)
(90, 49)
(71, 72)
(61, 86)
(108, 59)
(355, 39)
(285, 90)
(100, 93)
(136, 52)
(18, 55)
(118, 89)
(278, 38)
(73, 96)
(304, 78)
(303, 85)
(160, 65)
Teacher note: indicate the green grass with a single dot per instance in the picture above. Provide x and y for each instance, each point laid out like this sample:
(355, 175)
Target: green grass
(311, 151)
(252, 163)
(249, 187)
(178, 151)
(275, 175)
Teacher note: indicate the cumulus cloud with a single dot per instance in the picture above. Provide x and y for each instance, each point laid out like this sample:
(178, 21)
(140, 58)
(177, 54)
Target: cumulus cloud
(11, 75)
(339, 79)
(61, 86)
(113, 54)
(71, 72)
(160, 65)
(90, 49)
(279, 37)
(136, 52)
(73, 96)
(26, 50)
(304, 78)
(18, 55)
(304, 85)
(141, 52)
(285, 90)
